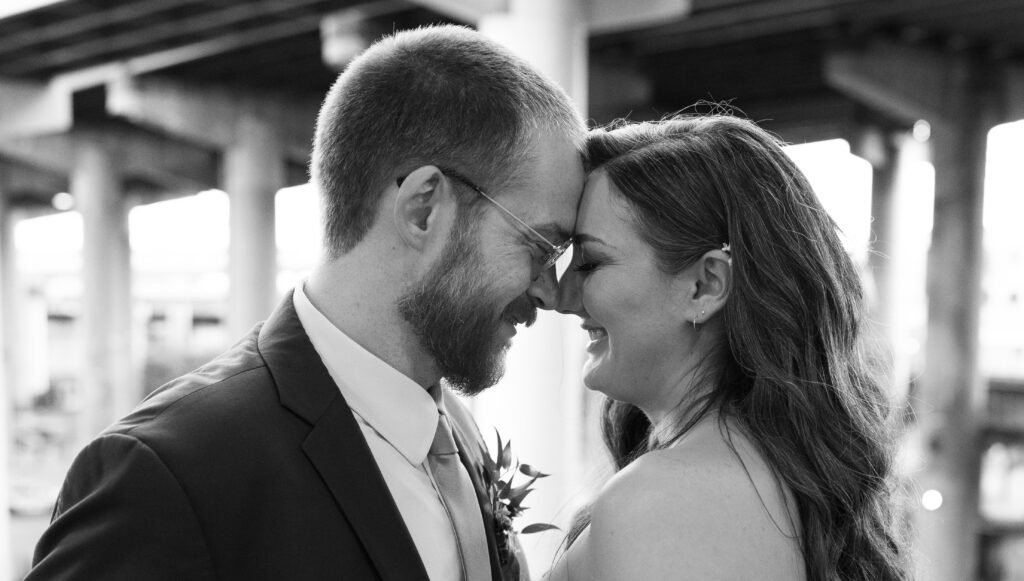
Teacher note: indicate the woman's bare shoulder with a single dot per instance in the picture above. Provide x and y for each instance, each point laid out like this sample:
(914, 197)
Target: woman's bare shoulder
(695, 510)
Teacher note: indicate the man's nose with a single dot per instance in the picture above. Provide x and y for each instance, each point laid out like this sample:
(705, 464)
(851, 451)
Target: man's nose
(544, 290)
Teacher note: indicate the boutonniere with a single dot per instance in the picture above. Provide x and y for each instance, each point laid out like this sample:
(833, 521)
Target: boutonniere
(507, 498)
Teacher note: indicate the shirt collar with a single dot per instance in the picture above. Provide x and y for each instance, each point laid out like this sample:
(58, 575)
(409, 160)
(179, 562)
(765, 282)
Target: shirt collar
(436, 393)
(396, 407)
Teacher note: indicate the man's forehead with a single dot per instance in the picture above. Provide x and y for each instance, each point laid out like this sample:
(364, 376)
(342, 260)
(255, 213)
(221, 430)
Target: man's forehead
(554, 231)
(553, 185)
(554, 212)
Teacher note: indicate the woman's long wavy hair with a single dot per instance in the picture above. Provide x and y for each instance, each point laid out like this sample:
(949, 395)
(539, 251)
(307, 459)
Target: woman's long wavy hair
(792, 370)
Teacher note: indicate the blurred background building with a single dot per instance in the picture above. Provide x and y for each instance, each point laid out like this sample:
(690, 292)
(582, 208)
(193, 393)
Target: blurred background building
(153, 207)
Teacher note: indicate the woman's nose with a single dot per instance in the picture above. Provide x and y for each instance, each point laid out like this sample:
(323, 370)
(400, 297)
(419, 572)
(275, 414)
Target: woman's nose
(569, 300)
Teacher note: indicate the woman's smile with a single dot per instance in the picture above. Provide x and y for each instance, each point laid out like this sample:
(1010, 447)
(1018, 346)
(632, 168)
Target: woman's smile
(597, 334)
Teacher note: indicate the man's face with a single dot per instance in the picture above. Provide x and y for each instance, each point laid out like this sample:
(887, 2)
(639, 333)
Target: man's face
(488, 280)
(452, 312)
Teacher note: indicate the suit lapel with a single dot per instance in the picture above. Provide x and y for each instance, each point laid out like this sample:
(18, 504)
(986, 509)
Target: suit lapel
(336, 447)
(339, 452)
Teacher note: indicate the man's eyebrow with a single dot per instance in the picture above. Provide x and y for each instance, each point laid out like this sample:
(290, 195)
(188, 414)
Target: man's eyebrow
(584, 237)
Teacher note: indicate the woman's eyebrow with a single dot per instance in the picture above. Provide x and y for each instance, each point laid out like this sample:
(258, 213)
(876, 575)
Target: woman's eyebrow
(584, 237)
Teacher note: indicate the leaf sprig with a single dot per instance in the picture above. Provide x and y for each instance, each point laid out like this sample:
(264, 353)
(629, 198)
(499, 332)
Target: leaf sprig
(506, 498)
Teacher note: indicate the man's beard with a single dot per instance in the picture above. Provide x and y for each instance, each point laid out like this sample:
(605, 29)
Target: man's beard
(451, 313)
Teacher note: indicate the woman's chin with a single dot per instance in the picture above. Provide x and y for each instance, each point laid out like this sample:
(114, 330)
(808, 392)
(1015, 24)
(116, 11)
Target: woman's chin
(592, 374)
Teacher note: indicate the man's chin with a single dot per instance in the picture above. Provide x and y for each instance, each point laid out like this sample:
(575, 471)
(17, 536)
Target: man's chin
(471, 382)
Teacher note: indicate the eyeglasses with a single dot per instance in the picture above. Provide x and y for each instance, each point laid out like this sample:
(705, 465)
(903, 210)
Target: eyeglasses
(553, 251)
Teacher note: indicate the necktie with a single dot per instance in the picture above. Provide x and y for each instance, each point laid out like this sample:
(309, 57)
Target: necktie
(460, 501)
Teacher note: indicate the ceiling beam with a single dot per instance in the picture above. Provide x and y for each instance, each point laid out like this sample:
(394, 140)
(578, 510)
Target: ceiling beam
(52, 153)
(88, 22)
(141, 154)
(19, 180)
(617, 89)
(28, 108)
(232, 15)
(469, 11)
(209, 114)
(98, 75)
(925, 9)
(1014, 93)
(18, 8)
(904, 82)
(616, 16)
(736, 22)
(909, 83)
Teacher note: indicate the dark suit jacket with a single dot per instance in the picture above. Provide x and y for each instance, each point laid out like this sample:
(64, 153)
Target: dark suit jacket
(251, 467)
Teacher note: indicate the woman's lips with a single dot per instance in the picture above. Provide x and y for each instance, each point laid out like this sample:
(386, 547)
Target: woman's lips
(597, 336)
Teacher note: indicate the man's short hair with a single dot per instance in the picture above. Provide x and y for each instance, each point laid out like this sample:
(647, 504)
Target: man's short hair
(442, 95)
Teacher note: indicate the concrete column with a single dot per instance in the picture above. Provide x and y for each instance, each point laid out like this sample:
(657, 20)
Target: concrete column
(539, 405)
(880, 149)
(887, 259)
(6, 387)
(12, 307)
(551, 35)
(951, 399)
(24, 325)
(107, 390)
(254, 171)
(903, 283)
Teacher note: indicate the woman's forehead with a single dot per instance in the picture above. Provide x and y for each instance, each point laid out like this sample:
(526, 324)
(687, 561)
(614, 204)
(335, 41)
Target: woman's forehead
(602, 207)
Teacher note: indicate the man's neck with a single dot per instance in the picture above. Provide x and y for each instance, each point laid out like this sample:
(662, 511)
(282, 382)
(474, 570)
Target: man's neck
(360, 301)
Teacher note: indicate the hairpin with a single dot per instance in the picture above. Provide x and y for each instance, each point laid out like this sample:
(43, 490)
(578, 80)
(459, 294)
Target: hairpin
(726, 248)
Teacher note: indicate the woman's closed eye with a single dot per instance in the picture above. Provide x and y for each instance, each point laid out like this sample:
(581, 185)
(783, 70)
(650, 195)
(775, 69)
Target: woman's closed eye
(586, 262)
(585, 267)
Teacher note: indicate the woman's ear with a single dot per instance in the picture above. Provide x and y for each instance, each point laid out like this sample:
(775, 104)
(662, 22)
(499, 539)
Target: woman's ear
(710, 284)
(424, 207)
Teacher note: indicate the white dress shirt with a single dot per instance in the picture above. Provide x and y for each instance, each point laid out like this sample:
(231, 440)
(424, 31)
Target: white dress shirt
(398, 418)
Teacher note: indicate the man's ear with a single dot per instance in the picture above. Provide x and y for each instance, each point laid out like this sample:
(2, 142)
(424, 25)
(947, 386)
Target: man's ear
(424, 207)
(709, 282)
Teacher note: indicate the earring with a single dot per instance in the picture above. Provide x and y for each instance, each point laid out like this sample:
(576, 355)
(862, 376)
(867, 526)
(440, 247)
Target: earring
(695, 320)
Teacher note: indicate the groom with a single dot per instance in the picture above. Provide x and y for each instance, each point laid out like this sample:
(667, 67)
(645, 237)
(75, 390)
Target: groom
(323, 445)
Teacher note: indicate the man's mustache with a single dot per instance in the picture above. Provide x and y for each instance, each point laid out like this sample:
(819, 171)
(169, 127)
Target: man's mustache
(521, 310)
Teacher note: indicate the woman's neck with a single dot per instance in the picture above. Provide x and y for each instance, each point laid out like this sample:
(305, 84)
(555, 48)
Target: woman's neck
(674, 428)
(682, 403)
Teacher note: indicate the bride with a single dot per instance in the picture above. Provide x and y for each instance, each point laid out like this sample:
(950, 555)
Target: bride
(751, 442)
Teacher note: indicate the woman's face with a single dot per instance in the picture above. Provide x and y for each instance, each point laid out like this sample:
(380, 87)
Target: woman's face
(630, 308)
